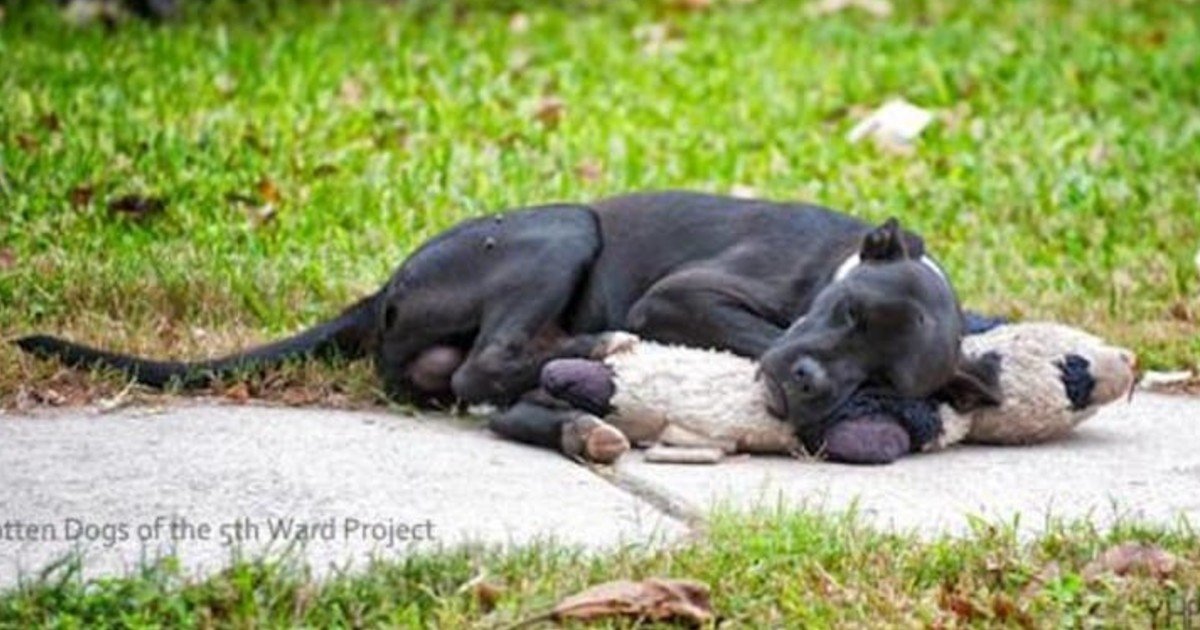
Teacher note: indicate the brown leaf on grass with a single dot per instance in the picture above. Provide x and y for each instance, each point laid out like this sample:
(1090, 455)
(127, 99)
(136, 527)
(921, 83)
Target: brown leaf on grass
(81, 195)
(237, 393)
(351, 91)
(1005, 610)
(137, 206)
(8, 259)
(49, 396)
(27, 142)
(1132, 558)
(653, 599)
(50, 122)
(519, 61)
(225, 83)
(1182, 311)
(961, 606)
(518, 23)
(549, 110)
(488, 594)
(659, 38)
(876, 8)
(300, 396)
(589, 169)
(268, 190)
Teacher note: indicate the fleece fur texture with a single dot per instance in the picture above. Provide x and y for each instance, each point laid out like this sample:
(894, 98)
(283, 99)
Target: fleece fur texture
(1053, 377)
(690, 397)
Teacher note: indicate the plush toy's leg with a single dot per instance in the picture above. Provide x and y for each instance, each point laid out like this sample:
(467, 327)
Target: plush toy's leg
(866, 441)
(572, 432)
(586, 385)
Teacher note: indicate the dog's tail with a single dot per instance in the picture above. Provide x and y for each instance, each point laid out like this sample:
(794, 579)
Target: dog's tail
(349, 335)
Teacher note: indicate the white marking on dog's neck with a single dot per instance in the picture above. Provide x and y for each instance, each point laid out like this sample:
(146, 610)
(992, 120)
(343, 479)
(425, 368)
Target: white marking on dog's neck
(855, 260)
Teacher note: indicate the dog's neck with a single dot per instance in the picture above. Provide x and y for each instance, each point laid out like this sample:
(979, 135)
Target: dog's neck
(855, 260)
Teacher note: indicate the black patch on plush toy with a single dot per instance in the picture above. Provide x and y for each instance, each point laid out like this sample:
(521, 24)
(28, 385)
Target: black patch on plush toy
(1077, 379)
(585, 384)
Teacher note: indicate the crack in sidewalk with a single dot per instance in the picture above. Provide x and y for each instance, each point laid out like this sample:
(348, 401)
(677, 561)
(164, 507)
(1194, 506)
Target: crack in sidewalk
(654, 494)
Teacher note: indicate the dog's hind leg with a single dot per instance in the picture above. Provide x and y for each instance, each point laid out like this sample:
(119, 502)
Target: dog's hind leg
(496, 289)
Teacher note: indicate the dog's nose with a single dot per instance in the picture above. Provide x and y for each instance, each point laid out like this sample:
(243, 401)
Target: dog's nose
(811, 379)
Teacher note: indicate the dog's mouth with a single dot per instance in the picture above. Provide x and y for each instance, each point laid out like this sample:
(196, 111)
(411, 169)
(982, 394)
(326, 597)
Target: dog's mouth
(776, 399)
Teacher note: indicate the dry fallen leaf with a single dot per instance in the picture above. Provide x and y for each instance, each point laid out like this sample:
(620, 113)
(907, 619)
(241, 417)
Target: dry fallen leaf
(518, 23)
(50, 122)
(549, 110)
(589, 169)
(653, 599)
(962, 607)
(519, 60)
(894, 126)
(137, 206)
(8, 259)
(351, 91)
(49, 396)
(659, 38)
(488, 594)
(225, 83)
(876, 8)
(238, 393)
(1128, 558)
(81, 195)
(27, 142)
(268, 190)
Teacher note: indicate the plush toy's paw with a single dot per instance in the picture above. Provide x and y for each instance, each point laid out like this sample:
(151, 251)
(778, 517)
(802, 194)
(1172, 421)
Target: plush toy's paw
(593, 439)
(866, 441)
(614, 343)
(584, 384)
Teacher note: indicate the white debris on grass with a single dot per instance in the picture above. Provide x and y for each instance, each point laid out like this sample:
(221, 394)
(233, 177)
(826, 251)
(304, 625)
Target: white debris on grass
(896, 124)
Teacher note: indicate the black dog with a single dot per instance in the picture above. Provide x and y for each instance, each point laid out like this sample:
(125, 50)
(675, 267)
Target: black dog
(474, 313)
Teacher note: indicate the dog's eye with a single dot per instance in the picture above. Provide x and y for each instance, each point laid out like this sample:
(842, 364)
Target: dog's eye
(855, 316)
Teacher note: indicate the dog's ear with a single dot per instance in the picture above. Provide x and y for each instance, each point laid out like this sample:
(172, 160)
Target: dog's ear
(891, 242)
(976, 383)
(883, 243)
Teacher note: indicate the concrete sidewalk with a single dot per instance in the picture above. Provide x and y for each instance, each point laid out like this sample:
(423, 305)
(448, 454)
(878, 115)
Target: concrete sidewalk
(203, 479)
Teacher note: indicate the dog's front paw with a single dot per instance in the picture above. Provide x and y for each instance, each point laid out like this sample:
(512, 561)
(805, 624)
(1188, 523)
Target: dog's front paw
(615, 343)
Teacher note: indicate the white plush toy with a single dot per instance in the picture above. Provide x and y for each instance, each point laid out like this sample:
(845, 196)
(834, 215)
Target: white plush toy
(694, 405)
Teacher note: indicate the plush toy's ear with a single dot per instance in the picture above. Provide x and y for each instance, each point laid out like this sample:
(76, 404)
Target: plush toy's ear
(976, 383)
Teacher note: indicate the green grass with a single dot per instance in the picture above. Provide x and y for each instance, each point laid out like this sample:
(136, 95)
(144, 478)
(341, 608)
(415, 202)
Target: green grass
(1060, 181)
(766, 570)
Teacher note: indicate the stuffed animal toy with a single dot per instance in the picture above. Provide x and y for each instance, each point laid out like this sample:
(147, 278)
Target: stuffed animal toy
(692, 405)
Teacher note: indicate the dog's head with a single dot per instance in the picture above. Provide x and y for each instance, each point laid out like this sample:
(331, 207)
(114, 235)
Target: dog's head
(887, 320)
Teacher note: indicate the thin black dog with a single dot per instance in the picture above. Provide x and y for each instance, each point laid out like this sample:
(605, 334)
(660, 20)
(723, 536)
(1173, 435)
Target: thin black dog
(474, 313)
